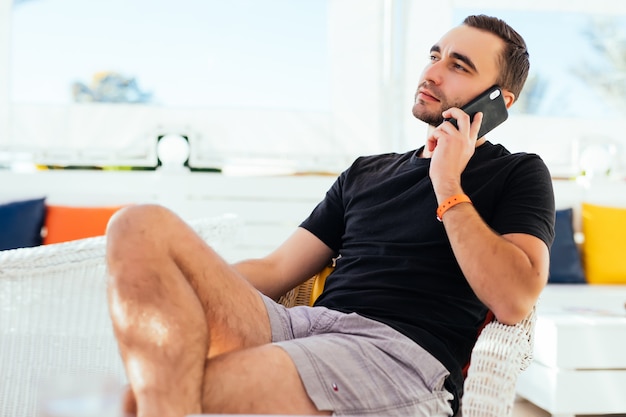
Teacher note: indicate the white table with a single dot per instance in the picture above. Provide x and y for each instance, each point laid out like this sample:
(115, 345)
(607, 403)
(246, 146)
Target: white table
(579, 364)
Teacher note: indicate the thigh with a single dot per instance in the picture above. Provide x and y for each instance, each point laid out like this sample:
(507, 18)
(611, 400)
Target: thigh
(153, 248)
(258, 380)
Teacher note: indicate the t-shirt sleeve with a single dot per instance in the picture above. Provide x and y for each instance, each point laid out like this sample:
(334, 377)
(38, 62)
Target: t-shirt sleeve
(326, 221)
(527, 204)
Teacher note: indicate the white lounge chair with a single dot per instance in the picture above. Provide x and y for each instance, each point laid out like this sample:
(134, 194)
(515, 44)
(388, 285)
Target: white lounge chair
(54, 323)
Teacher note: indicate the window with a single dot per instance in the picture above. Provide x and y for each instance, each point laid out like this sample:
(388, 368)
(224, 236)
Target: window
(577, 82)
(183, 53)
(304, 85)
(578, 61)
(246, 81)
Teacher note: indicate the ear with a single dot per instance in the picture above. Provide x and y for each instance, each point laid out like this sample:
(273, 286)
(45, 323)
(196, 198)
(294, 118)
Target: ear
(509, 98)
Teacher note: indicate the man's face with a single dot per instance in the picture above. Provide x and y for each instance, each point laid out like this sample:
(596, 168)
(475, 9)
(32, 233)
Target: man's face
(462, 65)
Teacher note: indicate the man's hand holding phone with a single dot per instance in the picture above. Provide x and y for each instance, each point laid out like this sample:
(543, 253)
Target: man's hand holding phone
(452, 148)
(461, 127)
(491, 104)
(453, 142)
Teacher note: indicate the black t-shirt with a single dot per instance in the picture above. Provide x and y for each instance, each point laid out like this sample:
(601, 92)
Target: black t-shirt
(396, 264)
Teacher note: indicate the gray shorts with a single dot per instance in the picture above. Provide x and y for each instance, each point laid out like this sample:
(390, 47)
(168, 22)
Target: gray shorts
(353, 365)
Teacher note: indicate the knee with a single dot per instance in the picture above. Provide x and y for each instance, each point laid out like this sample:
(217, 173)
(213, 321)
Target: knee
(134, 240)
(144, 218)
(139, 231)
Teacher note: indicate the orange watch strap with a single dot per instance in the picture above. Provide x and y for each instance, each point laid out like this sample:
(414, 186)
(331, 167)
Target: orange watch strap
(451, 202)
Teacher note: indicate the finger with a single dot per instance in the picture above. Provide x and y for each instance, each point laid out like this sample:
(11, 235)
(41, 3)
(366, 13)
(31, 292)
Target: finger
(431, 143)
(462, 118)
(475, 126)
(447, 126)
(453, 112)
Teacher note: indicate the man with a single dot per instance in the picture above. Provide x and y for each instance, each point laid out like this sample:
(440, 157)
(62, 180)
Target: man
(399, 315)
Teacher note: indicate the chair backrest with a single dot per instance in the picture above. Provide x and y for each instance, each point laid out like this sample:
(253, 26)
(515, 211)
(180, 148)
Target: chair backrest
(307, 292)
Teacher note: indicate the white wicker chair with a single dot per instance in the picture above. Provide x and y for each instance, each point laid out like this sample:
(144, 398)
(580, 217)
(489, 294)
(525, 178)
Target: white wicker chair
(54, 323)
(499, 355)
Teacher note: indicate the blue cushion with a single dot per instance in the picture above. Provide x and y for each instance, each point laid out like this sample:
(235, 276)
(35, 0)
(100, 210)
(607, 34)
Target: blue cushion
(21, 223)
(565, 260)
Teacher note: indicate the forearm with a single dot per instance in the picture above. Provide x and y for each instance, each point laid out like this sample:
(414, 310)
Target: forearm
(507, 272)
(502, 274)
(263, 276)
(299, 258)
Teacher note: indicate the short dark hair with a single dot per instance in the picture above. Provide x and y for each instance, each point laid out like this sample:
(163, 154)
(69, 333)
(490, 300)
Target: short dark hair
(514, 61)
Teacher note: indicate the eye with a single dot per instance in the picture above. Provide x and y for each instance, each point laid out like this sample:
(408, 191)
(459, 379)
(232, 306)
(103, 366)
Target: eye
(459, 67)
(434, 57)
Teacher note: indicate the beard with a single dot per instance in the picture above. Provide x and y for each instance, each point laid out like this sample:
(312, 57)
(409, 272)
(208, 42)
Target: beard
(433, 117)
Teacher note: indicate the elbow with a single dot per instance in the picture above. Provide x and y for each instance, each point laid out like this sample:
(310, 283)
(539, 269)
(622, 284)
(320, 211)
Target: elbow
(518, 303)
(514, 310)
(512, 316)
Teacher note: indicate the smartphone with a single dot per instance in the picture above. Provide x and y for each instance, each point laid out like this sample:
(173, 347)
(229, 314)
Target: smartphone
(491, 104)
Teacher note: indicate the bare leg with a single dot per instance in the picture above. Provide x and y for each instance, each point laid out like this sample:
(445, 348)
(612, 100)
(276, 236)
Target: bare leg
(261, 380)
(174, 302)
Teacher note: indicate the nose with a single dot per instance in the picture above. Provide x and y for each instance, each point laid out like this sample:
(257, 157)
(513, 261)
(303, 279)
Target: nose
(432, 72)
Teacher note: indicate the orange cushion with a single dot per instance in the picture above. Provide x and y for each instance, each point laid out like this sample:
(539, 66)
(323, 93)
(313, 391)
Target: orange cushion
(65, 223)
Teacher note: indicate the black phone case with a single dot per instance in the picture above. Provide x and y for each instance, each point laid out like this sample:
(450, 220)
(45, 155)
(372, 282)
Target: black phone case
(491, 104)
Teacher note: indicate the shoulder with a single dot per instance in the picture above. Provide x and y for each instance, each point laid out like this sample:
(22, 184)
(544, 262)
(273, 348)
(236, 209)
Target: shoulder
(381, 159)
(368, 169)
(498, 155)
(372, 164)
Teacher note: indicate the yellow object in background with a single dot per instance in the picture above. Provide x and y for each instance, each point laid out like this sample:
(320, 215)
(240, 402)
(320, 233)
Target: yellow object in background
(318, 283)
(604, 248)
